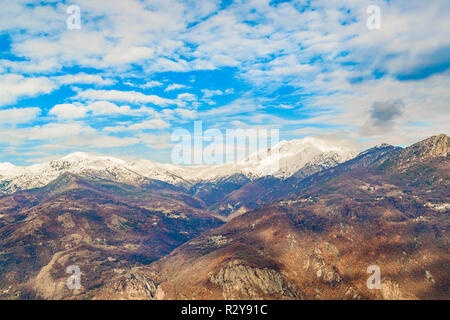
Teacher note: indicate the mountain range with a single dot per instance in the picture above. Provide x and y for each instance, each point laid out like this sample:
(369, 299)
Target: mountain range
(307, 230)
(292, 156)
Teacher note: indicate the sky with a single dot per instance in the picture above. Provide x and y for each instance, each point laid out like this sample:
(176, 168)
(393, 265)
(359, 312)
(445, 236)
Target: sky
(136, 71)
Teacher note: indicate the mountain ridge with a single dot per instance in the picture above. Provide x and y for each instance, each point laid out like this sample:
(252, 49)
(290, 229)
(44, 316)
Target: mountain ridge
(292, 156)
(319, 242)
(235, 238)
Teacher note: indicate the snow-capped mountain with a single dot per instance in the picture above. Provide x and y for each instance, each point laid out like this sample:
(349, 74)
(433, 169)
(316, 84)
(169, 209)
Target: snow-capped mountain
(288, 157)
(15, 178)
(282, 160)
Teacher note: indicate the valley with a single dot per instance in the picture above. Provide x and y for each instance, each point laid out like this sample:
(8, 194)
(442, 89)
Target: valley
(143, 230)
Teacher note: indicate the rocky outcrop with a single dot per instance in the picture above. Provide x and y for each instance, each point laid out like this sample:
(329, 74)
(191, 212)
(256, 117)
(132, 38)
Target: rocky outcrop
(132, 286)
(239, 281)
(433, 147)
(323, 272)
(390, 290)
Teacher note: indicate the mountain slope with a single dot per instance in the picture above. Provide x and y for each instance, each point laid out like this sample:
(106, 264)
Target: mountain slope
(101, 226)
(309, 235)
(319, 243)
(266, 189)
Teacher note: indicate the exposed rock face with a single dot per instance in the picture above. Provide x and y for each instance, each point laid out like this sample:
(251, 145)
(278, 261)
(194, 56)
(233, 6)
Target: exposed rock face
(390, 290)
(436, 146)
(433, 147)
(239, 281)
(429, 276)
(324, 272)
(331, 248)
(352, 293)
(132, 286)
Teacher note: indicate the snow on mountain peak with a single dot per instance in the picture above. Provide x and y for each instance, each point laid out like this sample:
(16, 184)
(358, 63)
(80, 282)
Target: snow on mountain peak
(287, 157)
(76, 155)
(6, 166)
(382, 145)
(86, 157)
(281, 160)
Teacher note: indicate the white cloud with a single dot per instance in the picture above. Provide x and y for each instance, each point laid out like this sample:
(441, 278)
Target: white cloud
(150, 124)
(101, 141)
(175, 86)
(151, 84)
(184, 99)
(117, 34)
(14, 87)
(107, 108)
(186, 113)
(114, 33)
(83, 78)
(123, 96)
(58, 131)
(65, 136)
(19, 115)
(207, 93)
(210, 93)
(31, 66)
(68, 111)
(125, 55)
(98, 108)
(55, 130)
(156, 141)
(270, 46)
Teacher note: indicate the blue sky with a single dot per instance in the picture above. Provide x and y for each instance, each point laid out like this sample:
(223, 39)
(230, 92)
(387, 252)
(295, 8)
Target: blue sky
(138, 70)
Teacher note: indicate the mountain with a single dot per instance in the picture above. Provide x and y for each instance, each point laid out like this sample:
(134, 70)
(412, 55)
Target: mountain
(435, 147)
(319, 242)
(421, 163)
(244, 195)
(101, 226)
(292, 156)
(308, 231)
(213, 191)
(234, 194)
(39, 175)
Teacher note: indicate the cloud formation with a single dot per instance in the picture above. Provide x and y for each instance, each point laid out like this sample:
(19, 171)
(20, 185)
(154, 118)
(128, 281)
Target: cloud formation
(382, 117)
(15, 86)
(137, 69)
